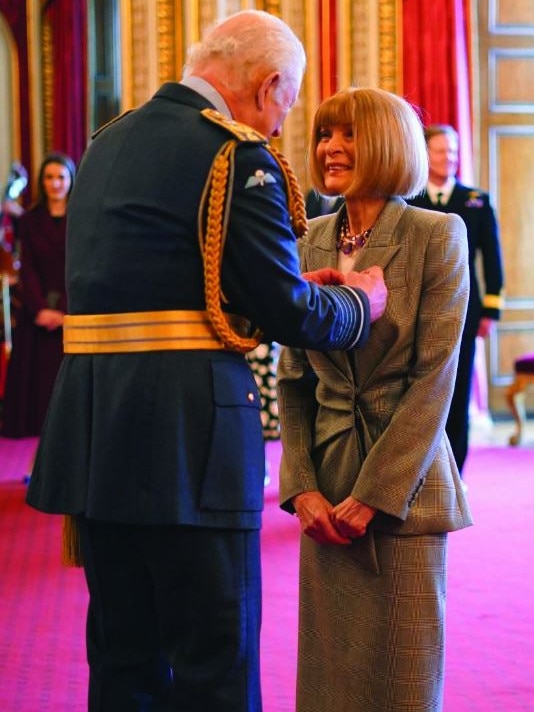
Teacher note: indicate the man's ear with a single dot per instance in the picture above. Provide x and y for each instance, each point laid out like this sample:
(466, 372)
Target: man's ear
(270, 83)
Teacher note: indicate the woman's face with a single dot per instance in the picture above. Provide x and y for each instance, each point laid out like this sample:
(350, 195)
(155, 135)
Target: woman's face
(56, 181)
(336, 154)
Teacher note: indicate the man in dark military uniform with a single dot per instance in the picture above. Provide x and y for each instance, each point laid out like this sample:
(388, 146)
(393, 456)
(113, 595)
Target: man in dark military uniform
(181, 233)
(448, 195)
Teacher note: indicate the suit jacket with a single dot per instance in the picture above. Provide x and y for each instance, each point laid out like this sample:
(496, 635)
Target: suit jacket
(315, 204)
(174, 436)
(371, 422)
(475, 209)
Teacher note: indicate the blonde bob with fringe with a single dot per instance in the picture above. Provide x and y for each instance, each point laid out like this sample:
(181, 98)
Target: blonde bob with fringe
(391, 156)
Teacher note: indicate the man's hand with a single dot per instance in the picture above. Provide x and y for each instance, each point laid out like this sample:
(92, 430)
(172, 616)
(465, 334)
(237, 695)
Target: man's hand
(314, 512)
(485, 325)
(371, 281)
(324, 276)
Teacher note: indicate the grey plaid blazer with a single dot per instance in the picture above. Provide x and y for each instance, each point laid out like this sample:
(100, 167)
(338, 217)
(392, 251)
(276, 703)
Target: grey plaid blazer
(371, 422)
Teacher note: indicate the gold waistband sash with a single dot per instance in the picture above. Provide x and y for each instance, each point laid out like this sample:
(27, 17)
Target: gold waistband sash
(140, 331)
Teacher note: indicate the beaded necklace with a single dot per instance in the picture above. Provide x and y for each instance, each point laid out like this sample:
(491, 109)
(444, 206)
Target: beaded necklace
(347, 242)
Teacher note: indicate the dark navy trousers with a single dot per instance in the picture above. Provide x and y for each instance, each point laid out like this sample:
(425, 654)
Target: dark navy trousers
(174, 618)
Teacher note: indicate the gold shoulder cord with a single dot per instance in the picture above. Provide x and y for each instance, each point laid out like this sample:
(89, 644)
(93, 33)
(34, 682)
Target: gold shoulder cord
(216, 194)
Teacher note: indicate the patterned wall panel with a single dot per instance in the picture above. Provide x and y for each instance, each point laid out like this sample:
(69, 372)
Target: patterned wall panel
(511, 151)
(511, 87)
(505, 54)
(48, 74)
(511, 17)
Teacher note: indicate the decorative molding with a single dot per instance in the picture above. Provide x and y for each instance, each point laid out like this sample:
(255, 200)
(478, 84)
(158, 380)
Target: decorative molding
(168, 32)
(494, 134)
(498, 59)
(140, 52)
(389, 38)
(34, 33)
(375, 44)
(48, 83)
(523, 19)
(364, 44)
(294, 140)
(10, 130)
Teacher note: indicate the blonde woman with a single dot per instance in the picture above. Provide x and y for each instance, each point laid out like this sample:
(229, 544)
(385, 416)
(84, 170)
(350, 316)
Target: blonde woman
(366, 464)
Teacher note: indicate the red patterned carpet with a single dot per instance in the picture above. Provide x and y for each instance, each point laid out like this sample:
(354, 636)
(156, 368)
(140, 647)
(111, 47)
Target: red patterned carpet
(490, 654)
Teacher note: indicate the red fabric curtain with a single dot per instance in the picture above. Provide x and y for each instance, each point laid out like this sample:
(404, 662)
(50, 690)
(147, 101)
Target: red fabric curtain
(68, 21)
(436, 75)
(328, 70)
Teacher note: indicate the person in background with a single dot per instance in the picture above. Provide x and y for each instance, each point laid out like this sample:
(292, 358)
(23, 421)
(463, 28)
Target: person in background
(181, 241)
(445, 193)
(10, 211)
(317, 204)
(41, 294)
(366, 465)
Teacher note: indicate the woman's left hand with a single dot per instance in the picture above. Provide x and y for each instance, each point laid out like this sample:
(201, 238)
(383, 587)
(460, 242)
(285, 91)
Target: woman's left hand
(351, 517)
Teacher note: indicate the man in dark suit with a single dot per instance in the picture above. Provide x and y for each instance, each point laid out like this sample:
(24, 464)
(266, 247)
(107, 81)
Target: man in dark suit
(181, 234)
(317, 204)
(445, 193)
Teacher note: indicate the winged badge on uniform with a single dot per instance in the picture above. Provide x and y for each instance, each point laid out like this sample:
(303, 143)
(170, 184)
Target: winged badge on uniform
(474, 200)
(259, 178)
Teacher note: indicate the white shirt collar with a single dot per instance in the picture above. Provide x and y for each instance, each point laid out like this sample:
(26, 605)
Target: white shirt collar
(208, 91)
(446, 189)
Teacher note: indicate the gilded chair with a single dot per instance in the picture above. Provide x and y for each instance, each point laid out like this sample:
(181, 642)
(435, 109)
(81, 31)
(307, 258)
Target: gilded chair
(515, 395)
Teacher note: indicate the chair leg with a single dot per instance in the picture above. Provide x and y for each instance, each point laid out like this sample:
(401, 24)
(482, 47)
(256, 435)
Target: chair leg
(515, 396)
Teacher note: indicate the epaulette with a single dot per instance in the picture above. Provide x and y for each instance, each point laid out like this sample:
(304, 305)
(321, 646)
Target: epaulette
(109, 123)
(240, 131)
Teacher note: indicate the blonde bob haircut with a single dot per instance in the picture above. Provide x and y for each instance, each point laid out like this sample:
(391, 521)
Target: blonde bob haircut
(391, 156)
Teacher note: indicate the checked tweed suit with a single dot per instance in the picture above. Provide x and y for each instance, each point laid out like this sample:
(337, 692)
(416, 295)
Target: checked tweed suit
(371, 423)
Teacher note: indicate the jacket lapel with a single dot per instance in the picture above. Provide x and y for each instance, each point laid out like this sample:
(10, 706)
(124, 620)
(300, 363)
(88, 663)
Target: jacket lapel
(319, 250)
(384, 243)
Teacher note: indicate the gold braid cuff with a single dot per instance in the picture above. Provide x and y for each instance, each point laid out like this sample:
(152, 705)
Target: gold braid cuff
(214, 213)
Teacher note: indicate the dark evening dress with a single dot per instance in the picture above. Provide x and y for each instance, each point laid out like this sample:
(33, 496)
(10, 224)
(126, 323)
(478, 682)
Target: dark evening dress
(37, 352)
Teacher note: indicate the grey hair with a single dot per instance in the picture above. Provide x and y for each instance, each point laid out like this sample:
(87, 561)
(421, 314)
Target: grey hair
(246, 43)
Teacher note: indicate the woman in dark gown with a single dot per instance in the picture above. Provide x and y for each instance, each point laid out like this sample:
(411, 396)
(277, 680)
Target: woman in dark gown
(38, 334)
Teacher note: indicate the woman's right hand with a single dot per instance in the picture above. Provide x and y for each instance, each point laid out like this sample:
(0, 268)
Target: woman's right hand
(314, 513)
(49, 319)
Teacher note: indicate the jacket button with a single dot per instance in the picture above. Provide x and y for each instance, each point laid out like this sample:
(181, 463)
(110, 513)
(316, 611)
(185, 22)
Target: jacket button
(250, 397)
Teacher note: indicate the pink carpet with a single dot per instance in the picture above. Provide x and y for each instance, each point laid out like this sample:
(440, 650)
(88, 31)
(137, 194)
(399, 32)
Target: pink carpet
(490, 653)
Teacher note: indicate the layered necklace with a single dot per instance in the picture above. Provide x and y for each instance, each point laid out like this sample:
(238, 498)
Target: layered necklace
(347, 242)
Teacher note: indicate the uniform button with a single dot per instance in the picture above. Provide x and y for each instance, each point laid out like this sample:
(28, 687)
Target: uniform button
(250, 397)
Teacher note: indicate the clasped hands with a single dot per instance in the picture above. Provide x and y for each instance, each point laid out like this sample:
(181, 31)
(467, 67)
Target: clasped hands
(370, 280)
(327, 524)
(49, 319)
